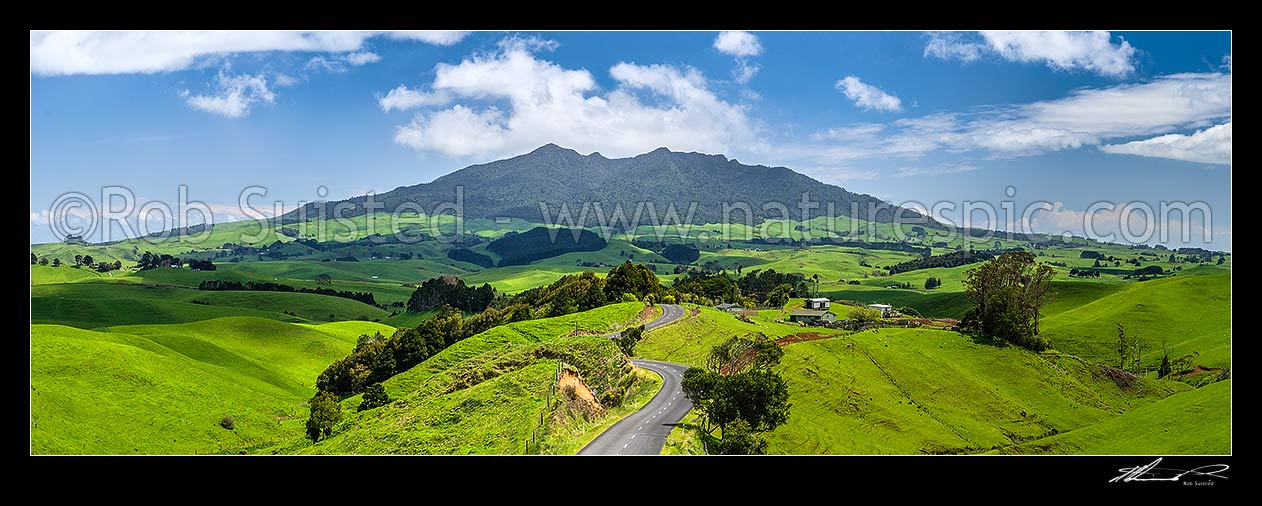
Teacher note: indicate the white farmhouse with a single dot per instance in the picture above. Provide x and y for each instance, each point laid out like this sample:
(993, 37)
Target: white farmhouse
(886, 309)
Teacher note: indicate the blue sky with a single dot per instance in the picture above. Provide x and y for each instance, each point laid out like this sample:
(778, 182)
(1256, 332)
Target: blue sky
(1070, 118)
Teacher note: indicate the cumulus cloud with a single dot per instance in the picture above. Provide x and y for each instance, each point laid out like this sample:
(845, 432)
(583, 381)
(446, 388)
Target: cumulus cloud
(1127, 221)
(342, 62)
(1092, 51)
(404, 98)
(742, 46)
(509, 101)
(233, 95)
(866, 96)
(71, 52)
(738, 43)
(1085, 117)
(1211, 145)
(436, 37)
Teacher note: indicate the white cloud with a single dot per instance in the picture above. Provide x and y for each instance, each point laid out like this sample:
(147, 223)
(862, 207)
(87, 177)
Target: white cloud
(933, 171)
(1060, 50)
(745, 71)
(738, 43)
(1106, 221)
(362, 57)
(866, 96)
(1211, 145)
(71, 52)
(233, 95)
(953, 46)
(436, 37)
(404, 98)
(342, 62)
(509, 101)
(741, 45)
(1086, 117)
(284, 80)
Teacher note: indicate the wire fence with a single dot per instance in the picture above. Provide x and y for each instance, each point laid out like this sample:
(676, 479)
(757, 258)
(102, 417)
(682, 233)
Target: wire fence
(534, 442)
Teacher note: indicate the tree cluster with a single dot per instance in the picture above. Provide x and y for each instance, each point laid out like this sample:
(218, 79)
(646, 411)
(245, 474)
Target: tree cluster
(450, 291)
(267, 286)
(1008, 294)
(954, 259)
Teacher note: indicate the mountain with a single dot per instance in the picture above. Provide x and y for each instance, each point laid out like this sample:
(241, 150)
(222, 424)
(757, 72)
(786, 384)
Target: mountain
(516, 187)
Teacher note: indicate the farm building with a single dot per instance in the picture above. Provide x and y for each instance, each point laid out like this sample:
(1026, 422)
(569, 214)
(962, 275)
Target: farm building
(729, 307)
(812, 316)
(886, 309)
(817, 303)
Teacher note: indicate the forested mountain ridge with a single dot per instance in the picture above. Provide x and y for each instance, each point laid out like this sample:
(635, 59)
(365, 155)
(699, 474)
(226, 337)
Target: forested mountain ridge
(515, 188)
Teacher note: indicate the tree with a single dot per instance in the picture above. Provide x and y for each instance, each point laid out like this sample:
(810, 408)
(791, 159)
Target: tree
(865, 314)
(325, 413)
(630, 278)
(374, 396)
(1124, 345)
(739, 394)
(87, 260)
(34, 260)
(738, 440)
(629, 338)
(1008, 294)
(1221, 260)
(323, 279)
(779, 296)
(78, 260)
(118, 264)
(43, 260)
(56, 262)
(1164, 369)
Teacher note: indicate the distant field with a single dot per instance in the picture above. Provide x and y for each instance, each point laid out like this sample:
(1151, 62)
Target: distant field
(43, 274)
(165, 388)
(1191, 312)
(93, 305)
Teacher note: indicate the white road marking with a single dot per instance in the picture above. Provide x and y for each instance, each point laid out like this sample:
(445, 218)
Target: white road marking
(624, 446)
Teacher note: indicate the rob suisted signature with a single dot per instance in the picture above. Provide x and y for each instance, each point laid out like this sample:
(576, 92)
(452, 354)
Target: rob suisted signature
(1151, 472)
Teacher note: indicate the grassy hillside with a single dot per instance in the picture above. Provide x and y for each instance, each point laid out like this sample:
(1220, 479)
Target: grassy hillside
(689, 340)
(924, 391)
(909, 391)
(92, 305)
(1191, 312)
(165, 388)
(43, 274)
(484, 395)
(1190, 423)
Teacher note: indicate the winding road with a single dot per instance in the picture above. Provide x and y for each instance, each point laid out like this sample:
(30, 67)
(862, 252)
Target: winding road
(644, 432)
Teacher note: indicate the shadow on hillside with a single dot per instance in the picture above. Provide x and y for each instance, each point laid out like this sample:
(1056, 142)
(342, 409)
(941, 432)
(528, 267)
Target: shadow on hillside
(978, 338)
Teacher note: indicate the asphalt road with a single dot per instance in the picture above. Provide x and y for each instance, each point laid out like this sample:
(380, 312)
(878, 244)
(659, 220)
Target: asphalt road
(644, 432)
